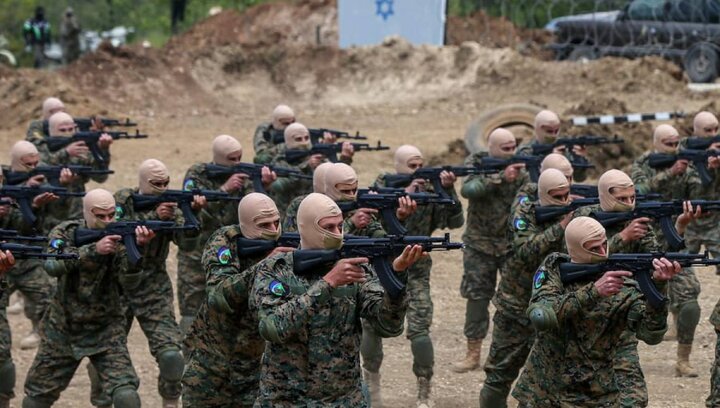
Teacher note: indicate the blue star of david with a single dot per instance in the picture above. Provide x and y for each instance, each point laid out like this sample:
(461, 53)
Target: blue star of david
(384, 8)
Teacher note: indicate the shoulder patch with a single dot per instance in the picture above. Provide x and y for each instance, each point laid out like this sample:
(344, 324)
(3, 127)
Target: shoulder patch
(539, 278)
(523, 199)
(224, 255)
(119, 212)
(277, 288)
(189, 184)
(520, 224)
(57, 243)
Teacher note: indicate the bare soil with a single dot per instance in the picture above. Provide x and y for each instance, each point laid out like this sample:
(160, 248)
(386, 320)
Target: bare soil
(224, 76)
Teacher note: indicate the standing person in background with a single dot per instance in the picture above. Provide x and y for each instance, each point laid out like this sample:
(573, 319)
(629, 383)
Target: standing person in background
(36, 32)
(70, 36)
(177, 14)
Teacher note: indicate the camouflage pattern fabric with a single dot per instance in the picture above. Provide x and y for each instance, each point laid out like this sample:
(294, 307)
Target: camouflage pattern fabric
(313, 333)
(527, 193)
(573, 364)
(526, 149)
(713, 400)
(265, 149)
(5, 337)
(85, 319)
(223, 369)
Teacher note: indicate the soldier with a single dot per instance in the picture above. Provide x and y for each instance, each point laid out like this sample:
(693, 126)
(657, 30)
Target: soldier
(148, 293)
(419, 220)
(546, 130)
(580, 325)
(50, 106)
(36, 32)
(266, 150)
(529, 190)
(70, 36)
(7, 367)
(86, 317)
(284, 190)
(485, 238)
(679, 181)
(531, 242)
(311, 323)
(289, 223)
(224, 367)
(227, 151)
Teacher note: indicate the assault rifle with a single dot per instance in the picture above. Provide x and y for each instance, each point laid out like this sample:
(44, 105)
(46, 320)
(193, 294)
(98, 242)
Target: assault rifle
(432, 174)
(24, 195)
(663, 211)
(21, 251)
(252, 247)
(701, 142)
(52, 173)
(254, 171)
(317, 134)
(639, 264)
(184, 200)
(85, 124)
(697, 157)
(380, 251)
(12, 235)
(532, 164)
(589, 191)
(90, 138)
(126, 229)
(543, 149)
(550, 212)
(329, 150)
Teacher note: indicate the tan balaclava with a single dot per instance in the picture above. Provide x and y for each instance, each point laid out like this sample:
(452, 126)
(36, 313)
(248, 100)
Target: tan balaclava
(665, 133)
(312, 209)
(705, 124)
(340, 177)
(57, 120)
(97, 199)
(255, 209)
(551, 179)
(609, 180)
(497, 139)
(18, 152)
(222, 147)
(579, 231)
(50, 106)
(558, 162)
(319, 177)
(549, 119)
(152, 170)
(403, 155)
(281, 112)
(293, 133)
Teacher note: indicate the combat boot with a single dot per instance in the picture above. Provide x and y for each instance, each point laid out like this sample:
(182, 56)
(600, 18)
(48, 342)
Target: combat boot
(372, 380)
(671, 333)
(472, 358)
(424, 390)
(683, 367)
(171, 403)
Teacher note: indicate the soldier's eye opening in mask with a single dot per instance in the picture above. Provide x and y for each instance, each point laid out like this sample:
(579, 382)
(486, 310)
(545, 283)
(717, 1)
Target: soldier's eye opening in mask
(301, 138)
(415, 164)
(554, 130)
(104, 215)
(270, 225)
(598, 246)
(235, 157)
(508, 147)
(31, 160)
(711, 130)
(286, 122)
(348, 191)
(332, 224)
(67, 129)
(160, 184)
(674, 145)
(561, 194)
(625, 195)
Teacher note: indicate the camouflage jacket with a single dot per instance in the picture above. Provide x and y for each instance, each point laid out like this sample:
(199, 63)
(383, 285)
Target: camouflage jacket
(313, 333)
(155, 253)
(530, 243)
(373, 230)
(572, 363)
(87, 313)
(489, 201)
(648, 243)
(650, 180)
(526, 149)
(527, 193)
(265, 149)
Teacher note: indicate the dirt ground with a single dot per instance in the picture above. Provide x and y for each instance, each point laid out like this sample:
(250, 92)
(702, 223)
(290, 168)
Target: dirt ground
(191, 91)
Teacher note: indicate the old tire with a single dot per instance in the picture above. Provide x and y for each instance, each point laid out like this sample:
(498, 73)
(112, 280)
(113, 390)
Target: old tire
(701, 63)
(519, 114)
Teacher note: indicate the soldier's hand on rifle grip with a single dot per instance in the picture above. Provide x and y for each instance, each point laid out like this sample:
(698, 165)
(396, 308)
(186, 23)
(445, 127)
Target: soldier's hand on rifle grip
(42, 199)
(315, 160)
(512, 172)
(611, 282)
(328, 138)
(407, 207)
(143, 235)
(447, 178)
(346, 271)
(416, 186)
(66, 177)
(409, 256)
(35, 181)
(77, 149)
(579, 150)
(5, 210)
(713, 162)
(107, 245)
(664, 269)
(347, 150)
(96, 124)
(199, 201)
(267, 176)
(166, 211)
(234, 183)
(7, 261)
(636, 230)
(280, 250)
(105, 141)
(362, 217)
(565, 220)
(680, 167)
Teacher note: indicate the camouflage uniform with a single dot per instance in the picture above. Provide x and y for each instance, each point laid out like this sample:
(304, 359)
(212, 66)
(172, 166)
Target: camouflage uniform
(486, 242)
(373, 230)
(685, 286)
(423, 222)
(85, 319)
(265, 149)
(190, 273)
(526, 149)
(313, 333)
(223, 368)
(513, 334)
(713, 400)
(573, 364)
(7, 367)
(149, 297)
(527, 193)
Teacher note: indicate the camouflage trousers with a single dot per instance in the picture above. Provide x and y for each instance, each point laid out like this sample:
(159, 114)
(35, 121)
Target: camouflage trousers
(211, 381)
(478, 287)
(55, 365)
(5, 346)
(713, 400)
(190, 283)
(419, 319)
(705, 231)
(684, 290)
(512, 338)
(29, 278)
(632, 389)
